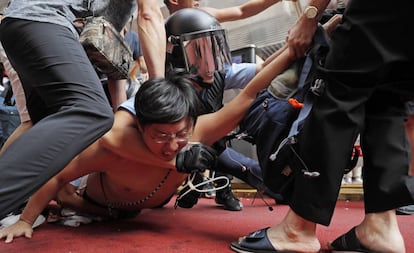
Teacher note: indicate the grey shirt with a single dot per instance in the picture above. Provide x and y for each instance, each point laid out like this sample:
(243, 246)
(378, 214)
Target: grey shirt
(63, 12)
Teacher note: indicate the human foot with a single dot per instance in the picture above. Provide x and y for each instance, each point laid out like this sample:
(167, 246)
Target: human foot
(293, 234)
(259, 242)
(347, 242)
(378, 232)
(293, 238)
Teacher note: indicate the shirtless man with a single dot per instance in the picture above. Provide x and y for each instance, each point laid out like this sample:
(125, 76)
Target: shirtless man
(133, 166)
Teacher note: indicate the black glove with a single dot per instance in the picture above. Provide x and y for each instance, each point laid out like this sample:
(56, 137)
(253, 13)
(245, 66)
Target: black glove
(198, 157)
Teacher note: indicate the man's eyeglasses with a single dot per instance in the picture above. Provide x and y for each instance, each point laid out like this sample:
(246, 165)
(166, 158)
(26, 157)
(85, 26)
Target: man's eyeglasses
(162, 138)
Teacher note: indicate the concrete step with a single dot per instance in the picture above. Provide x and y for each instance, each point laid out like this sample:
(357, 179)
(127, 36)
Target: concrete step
(347, 192)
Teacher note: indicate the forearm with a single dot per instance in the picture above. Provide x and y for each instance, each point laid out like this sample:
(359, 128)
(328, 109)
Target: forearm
(262, 79)
(117, 92)
(134, 70)
(274, 55)
(68, 197)
(151, 31)
(254, 7)
(39, 201)
(143, 65)
(246, 10)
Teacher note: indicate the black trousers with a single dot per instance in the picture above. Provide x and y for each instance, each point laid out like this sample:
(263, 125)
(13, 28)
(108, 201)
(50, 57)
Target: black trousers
(369, 74)
(65, 100)
(232, 163)
(325, 144)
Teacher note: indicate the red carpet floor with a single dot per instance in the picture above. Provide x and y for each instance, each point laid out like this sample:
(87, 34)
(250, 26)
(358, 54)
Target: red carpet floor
(204, 228)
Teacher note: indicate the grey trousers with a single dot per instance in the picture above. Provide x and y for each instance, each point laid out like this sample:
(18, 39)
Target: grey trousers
(65, 100)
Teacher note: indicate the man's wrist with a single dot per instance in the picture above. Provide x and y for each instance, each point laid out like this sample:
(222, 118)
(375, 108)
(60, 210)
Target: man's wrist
(26, 221)
(311, 12)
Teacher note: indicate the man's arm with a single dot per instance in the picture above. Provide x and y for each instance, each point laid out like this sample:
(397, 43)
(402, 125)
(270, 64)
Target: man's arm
(151, 32)
(139, 67)
(68, 197)
(117, 92)
(246, 10)
(143, 68)
(300, 35)
(329, 26)
(81, 165)
(23, 227)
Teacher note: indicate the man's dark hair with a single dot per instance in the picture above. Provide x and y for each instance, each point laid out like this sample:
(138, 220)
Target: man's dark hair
(166, 101)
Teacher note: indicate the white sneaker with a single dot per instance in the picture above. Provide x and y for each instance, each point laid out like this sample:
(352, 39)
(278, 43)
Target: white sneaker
(357, 180)
(347, 180)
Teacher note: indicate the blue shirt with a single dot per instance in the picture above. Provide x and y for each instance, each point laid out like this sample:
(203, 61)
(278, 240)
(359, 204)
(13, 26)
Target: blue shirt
(132, 39)
(238, 75)
(129, 105)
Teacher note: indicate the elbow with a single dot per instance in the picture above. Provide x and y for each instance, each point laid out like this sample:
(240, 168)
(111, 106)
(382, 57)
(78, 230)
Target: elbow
(105, 140)
(150, 13)
(64, 196)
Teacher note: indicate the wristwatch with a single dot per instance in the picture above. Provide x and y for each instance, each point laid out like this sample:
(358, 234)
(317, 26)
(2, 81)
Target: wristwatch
(311, 12)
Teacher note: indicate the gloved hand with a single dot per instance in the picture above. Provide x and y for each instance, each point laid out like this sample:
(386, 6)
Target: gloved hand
(198, 157)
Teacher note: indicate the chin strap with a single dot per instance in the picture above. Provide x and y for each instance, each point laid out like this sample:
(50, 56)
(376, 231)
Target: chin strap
(199, 81)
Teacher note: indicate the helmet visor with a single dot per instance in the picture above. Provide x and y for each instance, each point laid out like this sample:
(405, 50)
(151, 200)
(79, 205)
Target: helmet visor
(205, 53)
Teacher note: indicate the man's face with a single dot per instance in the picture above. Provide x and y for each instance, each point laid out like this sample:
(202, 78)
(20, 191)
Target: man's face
(204, 53)
(200, 59)
(166, 140)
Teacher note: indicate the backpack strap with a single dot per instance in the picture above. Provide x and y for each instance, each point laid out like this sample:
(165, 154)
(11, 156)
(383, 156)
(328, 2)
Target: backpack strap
(316, 88)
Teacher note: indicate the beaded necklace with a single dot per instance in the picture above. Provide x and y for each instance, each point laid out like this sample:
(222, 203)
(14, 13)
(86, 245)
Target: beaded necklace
(112, 205)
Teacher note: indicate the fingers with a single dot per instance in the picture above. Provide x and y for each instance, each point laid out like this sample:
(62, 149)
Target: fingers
(296, 50)
(28, 234)
(298, 46)
(3, 235)
(9, 238)
(10, 232)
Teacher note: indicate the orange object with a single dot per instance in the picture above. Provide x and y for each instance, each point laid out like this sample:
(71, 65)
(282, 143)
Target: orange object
(295, 103)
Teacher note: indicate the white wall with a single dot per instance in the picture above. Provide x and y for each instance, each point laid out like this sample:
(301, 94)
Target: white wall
(265, 28)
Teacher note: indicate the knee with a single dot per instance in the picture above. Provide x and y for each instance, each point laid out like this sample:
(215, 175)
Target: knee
(104, 117)
(109, 120)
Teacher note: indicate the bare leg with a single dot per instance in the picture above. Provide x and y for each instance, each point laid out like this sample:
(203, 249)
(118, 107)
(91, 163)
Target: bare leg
(295, 234)
(379, 232)
(409, 127)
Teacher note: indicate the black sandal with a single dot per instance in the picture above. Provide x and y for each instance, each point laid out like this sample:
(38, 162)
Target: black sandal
(348, 242)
